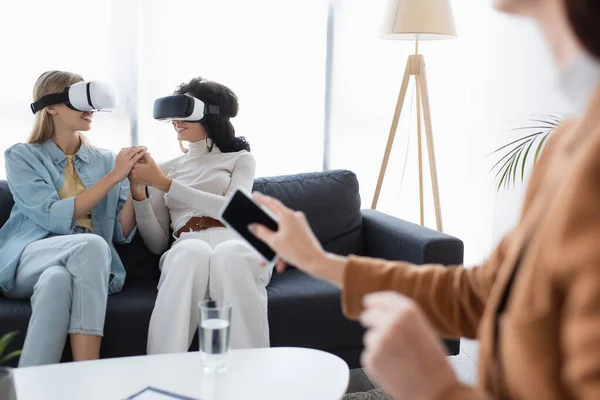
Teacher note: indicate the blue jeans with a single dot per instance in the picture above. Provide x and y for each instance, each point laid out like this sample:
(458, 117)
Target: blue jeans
(66, 278)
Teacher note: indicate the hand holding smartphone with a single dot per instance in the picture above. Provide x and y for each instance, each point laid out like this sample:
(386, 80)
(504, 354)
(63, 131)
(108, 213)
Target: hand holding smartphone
(240, 211)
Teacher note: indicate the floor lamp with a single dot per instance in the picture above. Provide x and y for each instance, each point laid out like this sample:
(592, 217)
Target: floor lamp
(417, 20)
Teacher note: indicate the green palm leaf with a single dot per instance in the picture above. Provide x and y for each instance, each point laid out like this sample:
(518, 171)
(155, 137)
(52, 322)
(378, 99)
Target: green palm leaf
(502, 179)
(516, 166)
(525, 160)
(4, 342)
(537, 153)
(515, 142)
(6, 339)
(515, 153)
(506, 164)
(10, 356)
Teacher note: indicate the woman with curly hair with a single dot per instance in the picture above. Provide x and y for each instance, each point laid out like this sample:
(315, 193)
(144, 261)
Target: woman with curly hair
(205, 261)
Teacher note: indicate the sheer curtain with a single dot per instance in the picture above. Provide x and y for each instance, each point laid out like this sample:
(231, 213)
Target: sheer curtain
(271, 53)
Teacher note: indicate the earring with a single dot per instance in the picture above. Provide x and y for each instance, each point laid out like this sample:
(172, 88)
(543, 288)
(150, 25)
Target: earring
(183, 149)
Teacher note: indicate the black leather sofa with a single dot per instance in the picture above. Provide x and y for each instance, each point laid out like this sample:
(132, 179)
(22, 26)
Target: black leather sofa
(303, 311)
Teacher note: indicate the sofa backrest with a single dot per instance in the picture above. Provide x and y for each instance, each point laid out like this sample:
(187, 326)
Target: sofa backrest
(6, 202)
(329, 199)
(331, 202)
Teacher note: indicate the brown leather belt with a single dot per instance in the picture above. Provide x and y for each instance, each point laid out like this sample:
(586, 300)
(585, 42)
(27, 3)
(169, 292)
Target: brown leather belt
(197, 224)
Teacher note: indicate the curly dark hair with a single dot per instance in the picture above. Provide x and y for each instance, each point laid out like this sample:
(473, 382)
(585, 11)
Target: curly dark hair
(584, 16)
(218, 127)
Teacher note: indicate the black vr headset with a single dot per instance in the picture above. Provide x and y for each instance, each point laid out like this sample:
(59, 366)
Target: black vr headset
(182, 108)
(81, 96)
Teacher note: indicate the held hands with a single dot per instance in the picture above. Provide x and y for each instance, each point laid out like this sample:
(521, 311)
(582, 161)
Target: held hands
(402, 351)
(147, 173)
(125, 161)
(138, 190)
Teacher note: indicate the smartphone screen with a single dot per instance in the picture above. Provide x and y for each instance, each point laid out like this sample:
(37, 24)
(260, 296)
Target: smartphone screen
(241, 212)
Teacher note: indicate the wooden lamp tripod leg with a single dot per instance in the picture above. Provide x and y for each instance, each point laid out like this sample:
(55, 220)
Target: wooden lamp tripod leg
(420, 151)
(392, 135)
(422, 81)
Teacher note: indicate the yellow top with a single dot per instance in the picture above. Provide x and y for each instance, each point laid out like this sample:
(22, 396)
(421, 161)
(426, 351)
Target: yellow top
(74, 187)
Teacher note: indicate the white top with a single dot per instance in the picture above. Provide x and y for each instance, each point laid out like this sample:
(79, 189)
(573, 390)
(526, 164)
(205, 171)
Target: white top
(579, 81)
(202, 181)
(261, 374)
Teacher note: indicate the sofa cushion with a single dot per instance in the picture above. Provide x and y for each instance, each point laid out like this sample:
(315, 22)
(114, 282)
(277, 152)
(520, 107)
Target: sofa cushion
(139, 262)
(330, 201)
(127, 319)
(306, 312)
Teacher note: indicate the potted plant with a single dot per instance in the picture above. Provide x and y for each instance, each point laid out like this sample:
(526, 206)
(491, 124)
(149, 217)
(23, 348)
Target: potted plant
(7, 384)
(511, 166)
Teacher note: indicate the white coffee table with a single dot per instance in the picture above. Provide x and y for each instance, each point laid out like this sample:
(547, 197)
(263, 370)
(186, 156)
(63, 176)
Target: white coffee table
(262, 374)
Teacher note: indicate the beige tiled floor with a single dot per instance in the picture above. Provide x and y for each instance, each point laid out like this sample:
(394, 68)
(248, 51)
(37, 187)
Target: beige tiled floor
(465, 365)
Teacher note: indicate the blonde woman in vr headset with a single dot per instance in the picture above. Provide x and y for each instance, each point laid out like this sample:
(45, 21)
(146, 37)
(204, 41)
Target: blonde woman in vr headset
(71, 203)
(186, 195)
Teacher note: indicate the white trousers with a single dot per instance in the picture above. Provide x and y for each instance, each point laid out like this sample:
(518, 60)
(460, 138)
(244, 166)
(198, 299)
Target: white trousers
(209, 264)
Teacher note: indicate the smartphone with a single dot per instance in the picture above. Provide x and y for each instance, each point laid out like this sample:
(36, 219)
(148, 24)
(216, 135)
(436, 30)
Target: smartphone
(240, 211)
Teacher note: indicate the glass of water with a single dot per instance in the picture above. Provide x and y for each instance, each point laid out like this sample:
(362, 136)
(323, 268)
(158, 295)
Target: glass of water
(213, 331)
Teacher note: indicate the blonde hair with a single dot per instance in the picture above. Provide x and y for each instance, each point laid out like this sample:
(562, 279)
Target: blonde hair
(48, 83)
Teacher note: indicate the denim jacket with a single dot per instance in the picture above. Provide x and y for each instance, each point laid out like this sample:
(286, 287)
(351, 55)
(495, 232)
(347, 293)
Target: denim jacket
(35, 174)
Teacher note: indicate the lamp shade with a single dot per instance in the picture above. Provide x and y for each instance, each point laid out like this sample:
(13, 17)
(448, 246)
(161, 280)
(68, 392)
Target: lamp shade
(418, 19)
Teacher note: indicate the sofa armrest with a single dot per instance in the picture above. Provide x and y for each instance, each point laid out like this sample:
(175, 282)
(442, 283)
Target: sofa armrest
(391, 238)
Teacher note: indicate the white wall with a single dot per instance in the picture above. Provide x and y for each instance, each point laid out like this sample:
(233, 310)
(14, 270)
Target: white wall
(496, 71)
(522, 79)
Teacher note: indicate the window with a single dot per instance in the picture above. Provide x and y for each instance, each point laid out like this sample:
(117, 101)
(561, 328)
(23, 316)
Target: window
(270, 53)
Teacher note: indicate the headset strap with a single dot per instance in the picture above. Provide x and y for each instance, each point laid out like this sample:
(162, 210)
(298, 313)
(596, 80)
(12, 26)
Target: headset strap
(49, 100)
(212, 110)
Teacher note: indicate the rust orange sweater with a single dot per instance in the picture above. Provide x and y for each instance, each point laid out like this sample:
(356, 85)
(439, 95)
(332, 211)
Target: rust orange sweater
(546, 343)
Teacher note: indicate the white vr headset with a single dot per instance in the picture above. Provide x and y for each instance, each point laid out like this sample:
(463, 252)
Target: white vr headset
(182, 108)
(81, 96)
